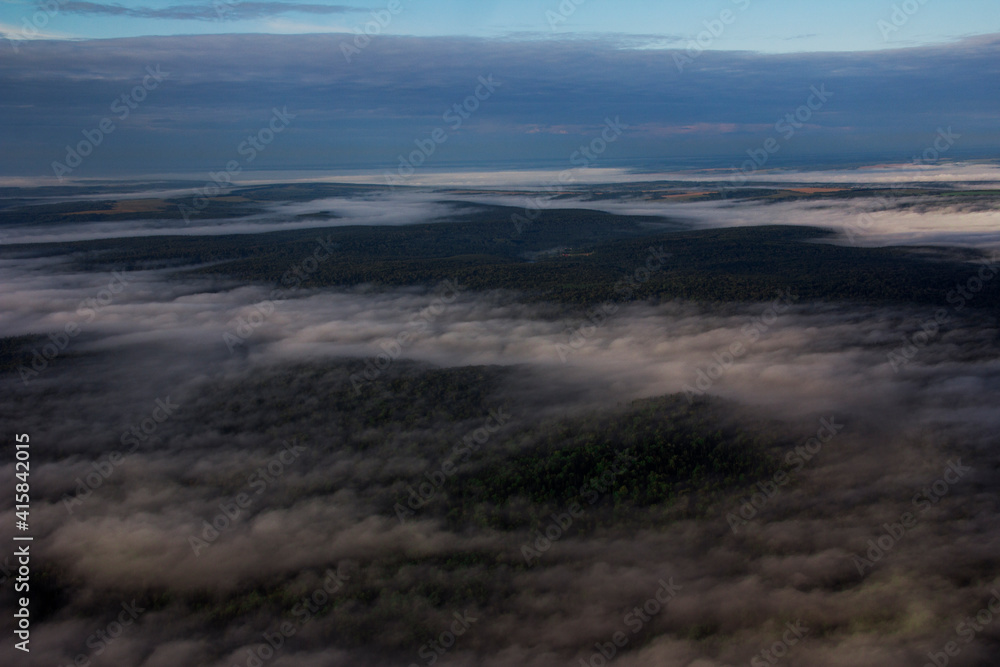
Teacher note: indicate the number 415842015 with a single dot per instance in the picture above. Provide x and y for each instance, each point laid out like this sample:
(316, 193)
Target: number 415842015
(22, 470)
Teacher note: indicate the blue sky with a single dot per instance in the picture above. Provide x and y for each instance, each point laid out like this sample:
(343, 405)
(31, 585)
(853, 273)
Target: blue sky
(775, 26)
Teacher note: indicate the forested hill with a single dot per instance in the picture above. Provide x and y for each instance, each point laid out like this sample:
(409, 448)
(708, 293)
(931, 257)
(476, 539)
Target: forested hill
(570, 256)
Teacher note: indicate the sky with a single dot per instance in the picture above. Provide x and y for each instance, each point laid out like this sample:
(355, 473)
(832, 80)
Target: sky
(777, 26)
(238, 86)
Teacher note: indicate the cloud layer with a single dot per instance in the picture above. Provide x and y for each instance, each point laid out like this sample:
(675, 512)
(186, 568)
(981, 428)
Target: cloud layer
(232, 10)
(365, 109)
(163, 340)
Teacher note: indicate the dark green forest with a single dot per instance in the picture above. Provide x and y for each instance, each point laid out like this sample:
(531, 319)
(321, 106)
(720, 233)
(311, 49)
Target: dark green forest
(642, 463)
(569, 256)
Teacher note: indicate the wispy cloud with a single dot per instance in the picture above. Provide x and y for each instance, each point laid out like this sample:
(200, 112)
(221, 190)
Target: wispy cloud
(230, 11)
(18, 33)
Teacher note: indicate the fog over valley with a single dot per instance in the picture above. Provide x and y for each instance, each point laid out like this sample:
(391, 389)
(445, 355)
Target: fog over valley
(500, 334)
(220, 450)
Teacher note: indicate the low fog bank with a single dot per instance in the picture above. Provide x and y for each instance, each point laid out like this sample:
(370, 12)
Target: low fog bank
(875, 219)
(783, 353)
(202, 385)
(957, 173)
(376, 209)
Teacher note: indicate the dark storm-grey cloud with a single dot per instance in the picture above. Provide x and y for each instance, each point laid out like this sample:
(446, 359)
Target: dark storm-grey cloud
(552, 95)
